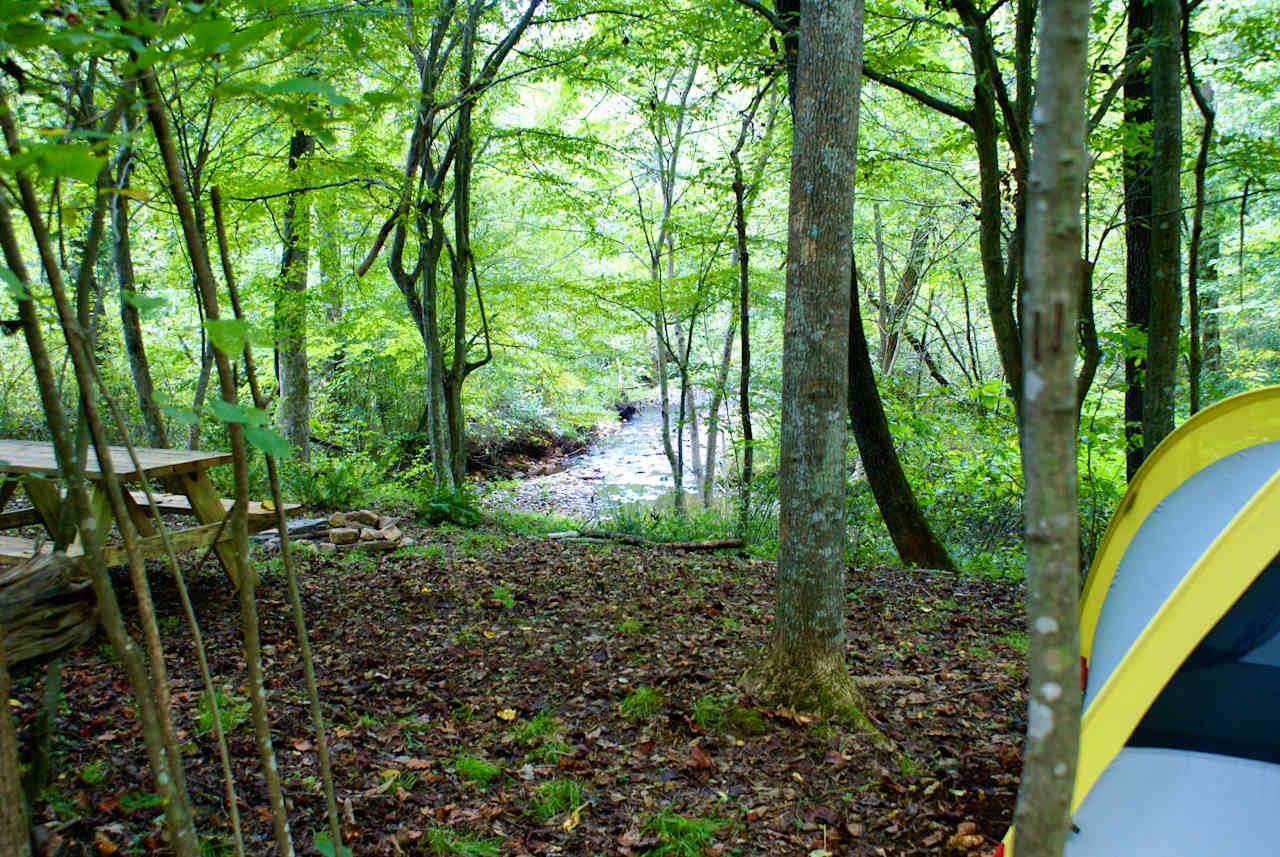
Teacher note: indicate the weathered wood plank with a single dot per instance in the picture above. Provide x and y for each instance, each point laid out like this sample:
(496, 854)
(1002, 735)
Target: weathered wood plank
(14, 550)
(182, 505)
(36, 457)
(182, 540)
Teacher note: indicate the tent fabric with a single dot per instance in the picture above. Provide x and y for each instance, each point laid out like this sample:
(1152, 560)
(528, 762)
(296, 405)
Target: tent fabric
(1208, 590)
(1176, 533)
(1180, 626)
(1233, 424)
(1153, 802)
(1225, 698)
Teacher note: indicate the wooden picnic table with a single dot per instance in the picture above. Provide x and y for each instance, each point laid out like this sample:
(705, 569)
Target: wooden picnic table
(179, 481)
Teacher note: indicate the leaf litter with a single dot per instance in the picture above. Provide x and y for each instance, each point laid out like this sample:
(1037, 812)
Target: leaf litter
(609, 666)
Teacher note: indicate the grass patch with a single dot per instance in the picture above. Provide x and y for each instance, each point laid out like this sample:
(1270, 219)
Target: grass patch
(95, 772)
(233, 711)
(1015, 640)
(539, 727)
(556, 797)
(503, 596)
(444, 842)
(473, 770)
(630, 626)
(709, 712)
(681, 836)
(642, 703)
(549, 751)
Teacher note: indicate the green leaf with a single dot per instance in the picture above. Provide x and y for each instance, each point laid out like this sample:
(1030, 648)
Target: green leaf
(69, 160)
(144, 304)
(229, 335)
(185, 416)
(244, 414)
(323, 843)
(309, 86)
(269, 441)
(13, 285)
(211, 36)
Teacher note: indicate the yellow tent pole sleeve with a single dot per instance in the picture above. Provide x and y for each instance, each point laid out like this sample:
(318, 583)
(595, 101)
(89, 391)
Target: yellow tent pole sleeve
(1216, 581)
(1235, 423)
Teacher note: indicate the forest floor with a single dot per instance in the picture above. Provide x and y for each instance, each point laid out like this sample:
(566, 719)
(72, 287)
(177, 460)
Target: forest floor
(490, 693)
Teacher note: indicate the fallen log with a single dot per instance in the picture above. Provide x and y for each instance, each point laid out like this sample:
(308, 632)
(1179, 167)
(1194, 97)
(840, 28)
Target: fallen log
(46, 607)
(637, 541)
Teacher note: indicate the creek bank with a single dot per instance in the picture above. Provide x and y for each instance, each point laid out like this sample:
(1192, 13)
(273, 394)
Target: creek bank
(536, 450)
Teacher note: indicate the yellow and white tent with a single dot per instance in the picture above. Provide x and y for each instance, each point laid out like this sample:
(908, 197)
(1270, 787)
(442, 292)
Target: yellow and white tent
(1180, 634)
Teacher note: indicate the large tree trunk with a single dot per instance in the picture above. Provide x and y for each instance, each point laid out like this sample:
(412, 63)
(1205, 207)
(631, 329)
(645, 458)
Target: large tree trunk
(130, 322)
(1049, 430)
(805, 662)
(293, 412)
(914, 540)
(1159, 392)
(1137, 230)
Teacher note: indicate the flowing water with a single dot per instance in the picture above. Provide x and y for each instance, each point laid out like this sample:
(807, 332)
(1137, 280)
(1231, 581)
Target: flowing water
(625, 468)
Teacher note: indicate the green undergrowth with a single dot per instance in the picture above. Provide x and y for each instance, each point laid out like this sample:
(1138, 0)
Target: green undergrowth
(445, 842)
(473, 770)
(555, 797)
(681, 836)
(642, 703)
(528, 523)
(759, 535)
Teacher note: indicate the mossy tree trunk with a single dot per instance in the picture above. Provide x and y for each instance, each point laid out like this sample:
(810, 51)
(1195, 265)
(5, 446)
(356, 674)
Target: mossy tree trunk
(805, 661)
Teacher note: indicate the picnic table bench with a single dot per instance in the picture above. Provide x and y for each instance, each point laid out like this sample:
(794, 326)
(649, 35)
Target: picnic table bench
(180, 485)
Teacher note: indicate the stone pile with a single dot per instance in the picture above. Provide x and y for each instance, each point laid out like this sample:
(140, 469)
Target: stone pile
(344, 531)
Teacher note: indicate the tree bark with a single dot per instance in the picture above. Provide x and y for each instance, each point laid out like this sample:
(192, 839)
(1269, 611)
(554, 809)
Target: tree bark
(1203, 97)
(1052, 265)
(1159, 394)
(15, 837)
(293, 410)
(805, 661)
(914, 540)
(130, 320)
(904, 296)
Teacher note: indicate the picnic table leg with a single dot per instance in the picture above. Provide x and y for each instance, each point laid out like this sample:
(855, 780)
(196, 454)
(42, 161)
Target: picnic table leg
(207, 506)
(100, 504)
(43, 495)
(139, 515)
(6, 492)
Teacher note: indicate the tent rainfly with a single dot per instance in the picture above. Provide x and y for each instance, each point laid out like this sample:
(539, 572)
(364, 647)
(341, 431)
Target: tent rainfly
(1180, 638)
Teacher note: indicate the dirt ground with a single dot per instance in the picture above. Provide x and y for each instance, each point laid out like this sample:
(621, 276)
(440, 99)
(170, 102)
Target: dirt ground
(492, 694)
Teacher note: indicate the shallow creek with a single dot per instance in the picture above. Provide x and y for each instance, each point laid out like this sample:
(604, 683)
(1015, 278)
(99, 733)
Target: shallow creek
(627, 467)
